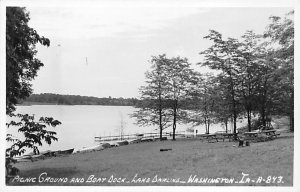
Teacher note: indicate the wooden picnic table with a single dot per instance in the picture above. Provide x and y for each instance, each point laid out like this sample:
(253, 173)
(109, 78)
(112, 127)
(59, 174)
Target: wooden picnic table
(223, 136)
(251, 134)
(208, 137)
(272, 133)
(261, 135)
(217, 136)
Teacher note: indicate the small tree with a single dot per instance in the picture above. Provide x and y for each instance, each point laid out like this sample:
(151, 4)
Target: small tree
(222, 108)
(122, 126)
(178, 80)
(203, 100)
(153, 108)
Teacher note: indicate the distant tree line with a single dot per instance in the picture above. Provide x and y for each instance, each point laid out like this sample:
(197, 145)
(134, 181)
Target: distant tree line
(253, 75)
(57, 99)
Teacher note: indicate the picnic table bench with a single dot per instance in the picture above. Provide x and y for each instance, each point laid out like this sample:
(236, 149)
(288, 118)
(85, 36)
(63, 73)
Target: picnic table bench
(272, 133)
(260, 135)
(217, 137)
(251, 134)
(223, 136)
(208, 137)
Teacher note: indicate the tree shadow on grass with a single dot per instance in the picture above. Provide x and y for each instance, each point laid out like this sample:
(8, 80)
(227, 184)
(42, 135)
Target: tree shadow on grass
(285, 137)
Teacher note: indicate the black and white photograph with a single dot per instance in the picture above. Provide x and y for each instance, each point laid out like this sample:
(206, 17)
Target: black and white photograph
(149, 94)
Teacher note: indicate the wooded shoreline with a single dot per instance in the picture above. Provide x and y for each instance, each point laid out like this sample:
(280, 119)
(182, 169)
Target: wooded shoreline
(58, 99)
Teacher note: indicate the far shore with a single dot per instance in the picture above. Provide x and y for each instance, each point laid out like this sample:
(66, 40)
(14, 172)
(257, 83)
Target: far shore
(45, 103)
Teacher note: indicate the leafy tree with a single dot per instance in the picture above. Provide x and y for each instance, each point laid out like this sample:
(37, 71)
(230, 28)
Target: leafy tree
(21, 68)
(281, 33)
(21, 63)
(204, 100)
(222, 101)
(223, 56)
(267, 90)
(178, 79)
(251, 72)
(153, 108)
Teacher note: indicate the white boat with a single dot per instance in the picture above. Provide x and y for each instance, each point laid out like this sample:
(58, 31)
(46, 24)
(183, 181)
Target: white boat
(37, 157)
(148, 139)
(90, 149)
(114, 144)
(24, 158)
(111, 143)
(132, 141)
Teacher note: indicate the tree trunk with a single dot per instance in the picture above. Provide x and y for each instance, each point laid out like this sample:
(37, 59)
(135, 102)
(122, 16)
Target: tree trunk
(160, 126)
(249, 119)
(292, 112)
(205, 125)
(234, 111)
(234, 124)
(263, 116)
(292, 122)
(174, 118)
(160, 117)
(208, 123)
(264, 105)
(248, 101)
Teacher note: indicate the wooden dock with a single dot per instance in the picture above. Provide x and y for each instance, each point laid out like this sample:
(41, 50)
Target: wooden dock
(143, 136)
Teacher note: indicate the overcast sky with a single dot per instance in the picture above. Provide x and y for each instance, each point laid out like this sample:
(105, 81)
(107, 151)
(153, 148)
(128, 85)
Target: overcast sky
(104, 51)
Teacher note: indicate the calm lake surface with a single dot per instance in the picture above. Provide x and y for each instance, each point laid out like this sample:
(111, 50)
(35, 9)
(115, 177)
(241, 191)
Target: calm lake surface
(81, 123)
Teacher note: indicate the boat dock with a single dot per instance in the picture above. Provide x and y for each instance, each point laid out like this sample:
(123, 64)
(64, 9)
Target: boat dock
(142, 136)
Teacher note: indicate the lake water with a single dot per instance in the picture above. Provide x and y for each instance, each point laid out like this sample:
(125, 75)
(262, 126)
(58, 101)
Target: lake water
(81, 123)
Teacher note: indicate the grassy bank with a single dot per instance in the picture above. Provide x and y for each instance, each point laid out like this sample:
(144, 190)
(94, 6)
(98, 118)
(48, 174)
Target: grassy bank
(189, 160)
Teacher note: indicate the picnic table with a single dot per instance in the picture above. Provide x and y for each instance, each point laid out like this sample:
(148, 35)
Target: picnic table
(251, 134)
(261, 135)
(208, 137)
(272, 133)
(217, 136)
(223, 136)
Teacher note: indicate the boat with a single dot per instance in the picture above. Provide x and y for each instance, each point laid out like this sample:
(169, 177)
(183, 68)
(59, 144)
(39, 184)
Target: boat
(23, 158)
(91, 149)
(49, 153)
(64, 152)
(105, 145)
(132, 141)
(123, 143)
(162, 138)
(36, 157)
(114, 144)
(148, 139)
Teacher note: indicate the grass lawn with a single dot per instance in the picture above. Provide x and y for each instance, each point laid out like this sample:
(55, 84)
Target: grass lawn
(187, 162)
